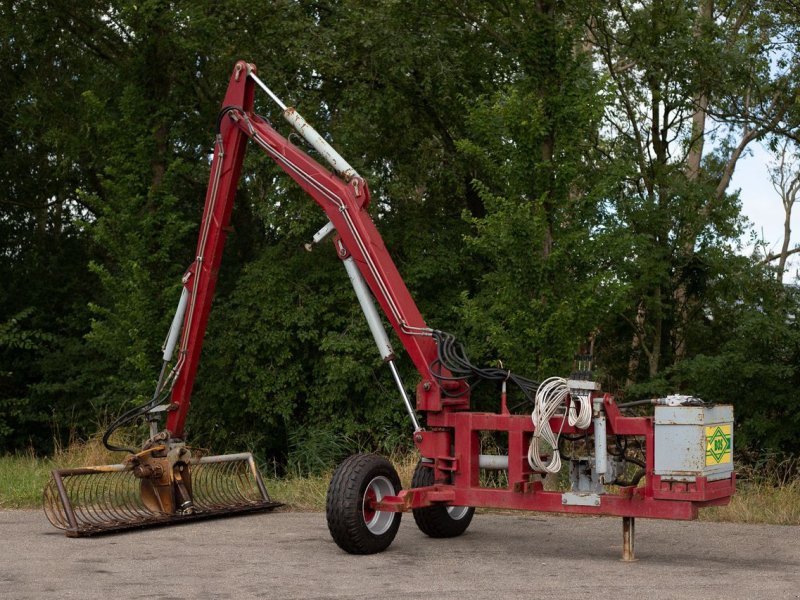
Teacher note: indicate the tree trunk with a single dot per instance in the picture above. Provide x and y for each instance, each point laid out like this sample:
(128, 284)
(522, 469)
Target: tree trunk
(654, 356)
(692, 172)
(636, 344)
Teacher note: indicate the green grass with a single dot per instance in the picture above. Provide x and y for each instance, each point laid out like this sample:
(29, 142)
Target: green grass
(759, 503)
(766, 496)
(767, 491)
(24, 475)
(22, 479)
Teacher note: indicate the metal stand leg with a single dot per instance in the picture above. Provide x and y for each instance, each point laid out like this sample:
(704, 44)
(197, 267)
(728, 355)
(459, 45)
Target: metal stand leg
(628, 537)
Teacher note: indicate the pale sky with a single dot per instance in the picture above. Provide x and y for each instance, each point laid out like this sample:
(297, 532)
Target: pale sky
(762, 205)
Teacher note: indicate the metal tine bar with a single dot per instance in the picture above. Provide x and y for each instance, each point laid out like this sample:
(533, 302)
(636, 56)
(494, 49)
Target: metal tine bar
(109, 500)
(88, 504)
(56, 504)
(245, 486)
(75, 492)
(225, 479)
(102, 499)
(98, 498)
(201, 487)
(207, 485)
(232, 481)
(126, 508)
(215, 486)
(198, 487)
(224, 483)
(242, 483)
(53, 510)
(78, 499)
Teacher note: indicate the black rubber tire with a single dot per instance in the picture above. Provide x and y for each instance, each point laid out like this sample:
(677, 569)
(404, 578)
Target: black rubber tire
(344, 506)
(435, 521)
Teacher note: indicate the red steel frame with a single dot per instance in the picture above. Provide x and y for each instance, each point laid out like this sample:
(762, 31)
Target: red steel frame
(451, 441)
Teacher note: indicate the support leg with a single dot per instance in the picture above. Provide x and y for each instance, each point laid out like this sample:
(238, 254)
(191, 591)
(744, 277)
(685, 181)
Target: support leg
(628, 538)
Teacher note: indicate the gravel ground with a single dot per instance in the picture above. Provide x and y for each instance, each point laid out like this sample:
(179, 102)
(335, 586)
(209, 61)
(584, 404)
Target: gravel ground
(287, 555)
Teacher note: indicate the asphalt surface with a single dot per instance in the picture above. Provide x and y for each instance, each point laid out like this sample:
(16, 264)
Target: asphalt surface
(287, 555)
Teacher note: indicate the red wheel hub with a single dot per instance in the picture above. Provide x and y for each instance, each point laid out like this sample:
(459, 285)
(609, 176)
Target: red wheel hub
(370, 497)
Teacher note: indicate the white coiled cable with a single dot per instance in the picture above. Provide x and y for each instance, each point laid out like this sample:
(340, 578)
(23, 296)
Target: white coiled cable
(551, 395)
(580, 418)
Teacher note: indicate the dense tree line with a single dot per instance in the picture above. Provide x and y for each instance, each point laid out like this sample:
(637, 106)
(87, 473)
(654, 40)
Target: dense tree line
(549, 177)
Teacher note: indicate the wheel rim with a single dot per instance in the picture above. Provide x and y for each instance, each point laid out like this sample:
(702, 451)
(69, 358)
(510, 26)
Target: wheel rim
(457, 512)
(377, 521)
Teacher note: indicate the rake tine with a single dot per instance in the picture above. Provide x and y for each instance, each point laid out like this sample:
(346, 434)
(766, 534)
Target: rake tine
(108, 498)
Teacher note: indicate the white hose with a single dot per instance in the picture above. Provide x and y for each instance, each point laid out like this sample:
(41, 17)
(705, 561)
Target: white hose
(550, 396)
(580, 418)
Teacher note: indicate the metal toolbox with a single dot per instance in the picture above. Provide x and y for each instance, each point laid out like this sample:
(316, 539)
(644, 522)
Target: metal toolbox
(694, 441)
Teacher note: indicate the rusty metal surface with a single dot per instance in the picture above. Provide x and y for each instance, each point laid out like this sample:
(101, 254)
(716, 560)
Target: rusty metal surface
(628, 539)
(93, 500)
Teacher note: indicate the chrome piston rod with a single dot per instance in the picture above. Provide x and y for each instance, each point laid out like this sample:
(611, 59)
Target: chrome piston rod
(378, 332)
(343, 168)
(314, 139)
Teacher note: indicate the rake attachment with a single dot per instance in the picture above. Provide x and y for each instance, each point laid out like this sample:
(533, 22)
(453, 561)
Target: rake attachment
(149, 490)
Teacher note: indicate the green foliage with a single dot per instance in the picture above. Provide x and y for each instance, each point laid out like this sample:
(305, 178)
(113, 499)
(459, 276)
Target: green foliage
(530, 171)
(544, 287)
(748, 358)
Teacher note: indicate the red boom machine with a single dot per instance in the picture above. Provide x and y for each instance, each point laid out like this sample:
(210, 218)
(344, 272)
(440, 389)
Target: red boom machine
(666, 466)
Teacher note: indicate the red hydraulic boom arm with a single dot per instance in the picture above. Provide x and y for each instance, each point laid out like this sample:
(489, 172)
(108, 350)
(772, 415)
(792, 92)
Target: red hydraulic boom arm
(344, 200)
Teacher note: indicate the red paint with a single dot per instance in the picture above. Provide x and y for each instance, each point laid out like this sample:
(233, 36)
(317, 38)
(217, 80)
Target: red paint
(370, 498)
(452, 438)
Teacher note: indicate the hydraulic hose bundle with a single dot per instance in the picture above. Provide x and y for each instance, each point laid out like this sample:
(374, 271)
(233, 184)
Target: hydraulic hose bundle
(547, 398)
(452, 356)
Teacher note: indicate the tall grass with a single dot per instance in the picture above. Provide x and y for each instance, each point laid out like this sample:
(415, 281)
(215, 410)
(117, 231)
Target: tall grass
(768, 489)
(306, 492)
(24, 475)
(22, 478)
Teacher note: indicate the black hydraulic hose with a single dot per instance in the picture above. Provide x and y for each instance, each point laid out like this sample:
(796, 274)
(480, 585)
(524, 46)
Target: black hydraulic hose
(635, 403)
(133, 414)
(451, 355)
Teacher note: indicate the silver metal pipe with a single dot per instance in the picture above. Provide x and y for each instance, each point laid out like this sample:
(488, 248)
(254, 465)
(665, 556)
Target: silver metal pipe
(335, 160)
(324, 232)
(264, 87)
(600, 449)
(406, 399)
(378, 332)
(493, 462)
(316, 141)
(368, 307)
(222, 458)
(175, 328)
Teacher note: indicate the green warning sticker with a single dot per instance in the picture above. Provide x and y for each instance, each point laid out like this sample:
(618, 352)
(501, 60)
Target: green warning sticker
(718, 444)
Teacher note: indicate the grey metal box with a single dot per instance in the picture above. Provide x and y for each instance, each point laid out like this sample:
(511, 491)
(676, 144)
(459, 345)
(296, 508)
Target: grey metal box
(694, 441)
